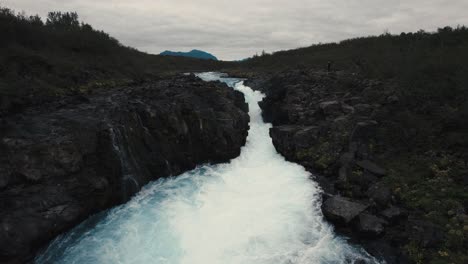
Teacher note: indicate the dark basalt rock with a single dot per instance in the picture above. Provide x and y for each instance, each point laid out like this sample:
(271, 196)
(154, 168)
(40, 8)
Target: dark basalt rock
(370, 225)
(371, 167)
(424, 232)
(64, 161)
(340, 210)
(380, 193)
(393, 214)
(330, 108)
(330, 124)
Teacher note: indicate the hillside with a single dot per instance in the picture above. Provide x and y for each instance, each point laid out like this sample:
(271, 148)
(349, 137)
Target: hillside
(42, 61)
(198, 54)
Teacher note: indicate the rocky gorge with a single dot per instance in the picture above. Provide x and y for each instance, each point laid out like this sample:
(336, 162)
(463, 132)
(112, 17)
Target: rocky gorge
(66, 160)
(348, 131)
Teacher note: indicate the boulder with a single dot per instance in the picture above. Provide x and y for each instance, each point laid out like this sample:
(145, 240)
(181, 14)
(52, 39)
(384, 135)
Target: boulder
(289, 139)
(305, 136)
(380, 193)
(340, 210)
(370, 225)
(371, 167)
(4, 177)
(346, 158)
(330, 108)
(364, 130)
(353, 100)
(342, 180)
(363, 109)
(283, 139)
(393, 99)
(340, 123)
(347, 109)
(365, 179)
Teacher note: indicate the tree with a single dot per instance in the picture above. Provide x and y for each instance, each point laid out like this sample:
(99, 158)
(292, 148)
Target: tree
(67, 20)
(35, 20)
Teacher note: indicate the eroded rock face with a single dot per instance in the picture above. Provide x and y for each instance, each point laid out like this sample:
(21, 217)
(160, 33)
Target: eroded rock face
(67, 160)
(330, 123)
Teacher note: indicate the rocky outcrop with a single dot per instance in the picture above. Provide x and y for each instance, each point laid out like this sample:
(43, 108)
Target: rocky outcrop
(342, 211)
(64, 161)
(370, 225)
(329, 123)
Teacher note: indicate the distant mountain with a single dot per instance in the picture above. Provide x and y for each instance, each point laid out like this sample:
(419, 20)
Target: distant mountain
(199, 54)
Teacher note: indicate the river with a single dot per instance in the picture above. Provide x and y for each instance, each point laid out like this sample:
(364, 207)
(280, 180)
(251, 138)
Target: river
(258, 208)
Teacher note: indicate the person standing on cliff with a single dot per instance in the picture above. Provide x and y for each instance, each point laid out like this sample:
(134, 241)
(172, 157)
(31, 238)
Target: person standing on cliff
(329, 66)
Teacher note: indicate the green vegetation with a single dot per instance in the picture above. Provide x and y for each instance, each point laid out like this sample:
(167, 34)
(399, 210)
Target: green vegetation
(42, 61)
(432, 185)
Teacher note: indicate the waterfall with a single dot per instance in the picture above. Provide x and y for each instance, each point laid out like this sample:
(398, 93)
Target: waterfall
(258, 208)
(129, 184)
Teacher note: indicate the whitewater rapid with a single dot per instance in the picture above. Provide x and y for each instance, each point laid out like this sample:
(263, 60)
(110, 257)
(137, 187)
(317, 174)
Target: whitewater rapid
(258, 208)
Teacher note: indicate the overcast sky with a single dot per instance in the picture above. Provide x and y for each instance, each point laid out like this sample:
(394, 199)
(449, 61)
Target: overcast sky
(235, 29)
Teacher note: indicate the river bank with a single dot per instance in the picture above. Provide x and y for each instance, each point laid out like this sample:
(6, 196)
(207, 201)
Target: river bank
(394, 179)
(64, 161)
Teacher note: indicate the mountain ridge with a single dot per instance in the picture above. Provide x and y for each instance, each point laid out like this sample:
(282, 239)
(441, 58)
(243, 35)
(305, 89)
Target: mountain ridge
(194, 53)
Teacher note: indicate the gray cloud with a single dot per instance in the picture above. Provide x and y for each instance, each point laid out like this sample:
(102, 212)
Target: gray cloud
(238, 29)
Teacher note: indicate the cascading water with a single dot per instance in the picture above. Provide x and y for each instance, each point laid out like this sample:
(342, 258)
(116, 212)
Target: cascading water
(258, 209)
(129, 183)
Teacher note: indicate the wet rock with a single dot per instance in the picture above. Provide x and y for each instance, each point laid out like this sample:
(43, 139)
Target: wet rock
(345, 108)
(291, 138)
(383, 249)
(305, 136)
(340, 210)
(360, 261)
(370, 225)
(283, 138)
(371, 167)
